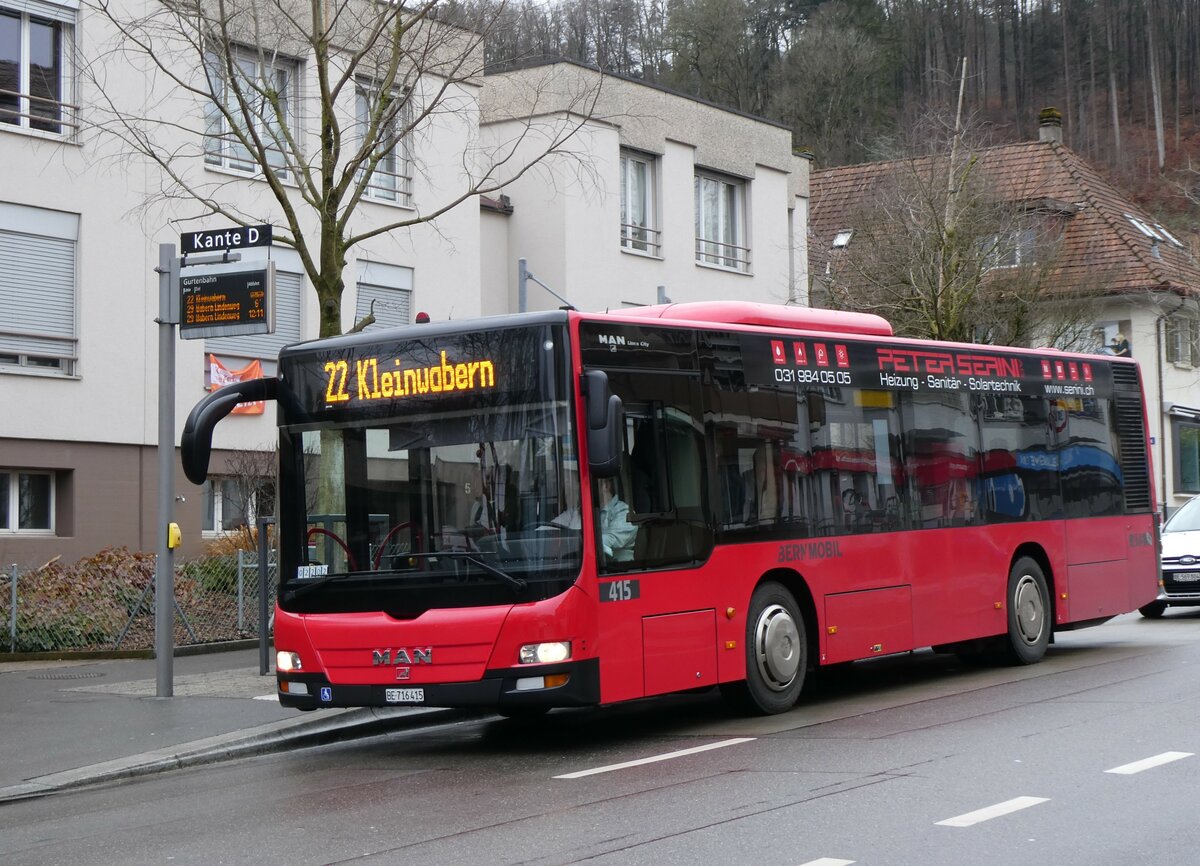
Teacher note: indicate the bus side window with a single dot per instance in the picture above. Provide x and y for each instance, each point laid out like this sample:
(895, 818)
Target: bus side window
(665, 475)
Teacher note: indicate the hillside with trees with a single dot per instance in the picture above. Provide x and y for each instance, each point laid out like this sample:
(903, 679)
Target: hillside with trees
(855, 78)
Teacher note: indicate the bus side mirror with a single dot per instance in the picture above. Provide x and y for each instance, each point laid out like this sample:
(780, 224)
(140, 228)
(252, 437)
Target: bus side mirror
(604, 422)
(196, 442)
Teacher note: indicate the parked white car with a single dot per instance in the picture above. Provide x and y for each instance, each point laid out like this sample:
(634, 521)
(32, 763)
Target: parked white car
(1180, 561)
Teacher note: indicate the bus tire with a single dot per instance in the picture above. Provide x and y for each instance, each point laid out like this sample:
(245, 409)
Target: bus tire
(776, 653)
(1028, 613)
(1153, 610)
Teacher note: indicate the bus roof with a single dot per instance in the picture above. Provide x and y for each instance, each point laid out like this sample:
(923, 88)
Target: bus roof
(767, 315)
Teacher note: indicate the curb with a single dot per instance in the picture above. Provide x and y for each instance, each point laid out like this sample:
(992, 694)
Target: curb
(264, 739)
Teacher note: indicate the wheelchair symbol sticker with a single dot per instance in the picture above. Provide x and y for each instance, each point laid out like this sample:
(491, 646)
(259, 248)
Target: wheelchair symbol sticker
(326, 693)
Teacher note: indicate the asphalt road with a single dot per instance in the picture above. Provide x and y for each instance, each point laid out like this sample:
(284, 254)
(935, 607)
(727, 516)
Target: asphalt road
(1087, 758)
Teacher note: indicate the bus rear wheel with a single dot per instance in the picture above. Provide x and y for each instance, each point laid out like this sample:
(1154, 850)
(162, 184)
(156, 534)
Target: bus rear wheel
(776, 653)
(1028, 613)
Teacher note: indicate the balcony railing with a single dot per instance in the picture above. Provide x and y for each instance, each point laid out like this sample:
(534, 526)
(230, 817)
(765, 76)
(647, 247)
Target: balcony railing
(723, 255)
(59, 114)
(641, 239)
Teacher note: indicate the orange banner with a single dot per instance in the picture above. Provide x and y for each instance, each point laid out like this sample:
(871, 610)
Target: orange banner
(220, 376)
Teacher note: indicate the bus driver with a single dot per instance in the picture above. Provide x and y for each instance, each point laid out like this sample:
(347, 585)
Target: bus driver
(617, 534)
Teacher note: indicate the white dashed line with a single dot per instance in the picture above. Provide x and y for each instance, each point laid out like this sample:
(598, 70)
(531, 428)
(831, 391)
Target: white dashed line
(654, 759)
(1149, 763)
(986, 814)
(829, 861)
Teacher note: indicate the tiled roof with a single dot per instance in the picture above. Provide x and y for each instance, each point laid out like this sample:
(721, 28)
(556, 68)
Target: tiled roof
(1100, 244)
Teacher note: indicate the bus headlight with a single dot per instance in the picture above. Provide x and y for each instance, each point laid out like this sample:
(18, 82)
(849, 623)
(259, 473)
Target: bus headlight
(545, 653)
(286, 662)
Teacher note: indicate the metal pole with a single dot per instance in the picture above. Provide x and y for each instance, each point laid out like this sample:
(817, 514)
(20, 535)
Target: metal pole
(241, 590)
(522, 283)
(164, 571)
(264, 571)
(12, 614)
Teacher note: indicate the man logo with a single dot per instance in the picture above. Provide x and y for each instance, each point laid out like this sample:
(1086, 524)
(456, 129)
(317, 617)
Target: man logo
(403, 656)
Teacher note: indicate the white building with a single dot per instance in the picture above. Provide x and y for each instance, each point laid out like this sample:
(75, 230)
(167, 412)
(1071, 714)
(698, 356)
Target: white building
(659, 190)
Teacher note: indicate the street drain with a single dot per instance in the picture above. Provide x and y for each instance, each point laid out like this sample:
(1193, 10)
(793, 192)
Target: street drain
(72, 675)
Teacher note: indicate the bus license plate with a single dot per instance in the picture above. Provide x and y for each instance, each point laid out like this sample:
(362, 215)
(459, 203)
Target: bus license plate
(404, 696)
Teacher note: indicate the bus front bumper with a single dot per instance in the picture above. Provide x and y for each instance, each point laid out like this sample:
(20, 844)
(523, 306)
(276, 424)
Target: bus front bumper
(503, 689)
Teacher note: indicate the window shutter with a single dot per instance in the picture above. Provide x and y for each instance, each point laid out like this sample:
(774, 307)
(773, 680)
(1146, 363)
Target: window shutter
(392, 306)
(37, 295)
(390, 287)
(65, 12)
(1172, 334)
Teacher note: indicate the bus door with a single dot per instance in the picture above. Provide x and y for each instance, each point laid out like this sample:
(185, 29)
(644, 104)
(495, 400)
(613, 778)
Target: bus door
(1092, 490)
(657, 620)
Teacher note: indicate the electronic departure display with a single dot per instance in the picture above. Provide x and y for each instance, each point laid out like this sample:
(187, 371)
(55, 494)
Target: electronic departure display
(216, 302)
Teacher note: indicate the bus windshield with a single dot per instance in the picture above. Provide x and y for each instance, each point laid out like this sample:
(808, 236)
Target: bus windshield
(461, 501)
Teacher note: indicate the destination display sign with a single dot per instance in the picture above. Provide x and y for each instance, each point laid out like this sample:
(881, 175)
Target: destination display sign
(830, 361)
(382, 378)
(217, 302)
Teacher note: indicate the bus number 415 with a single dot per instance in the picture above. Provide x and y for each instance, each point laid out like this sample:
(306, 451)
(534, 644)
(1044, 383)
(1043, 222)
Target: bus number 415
(619, 590)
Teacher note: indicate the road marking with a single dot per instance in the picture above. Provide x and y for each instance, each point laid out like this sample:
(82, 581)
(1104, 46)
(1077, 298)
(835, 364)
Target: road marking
(829, 861)
(986, 814)
(656, 758)
(1149, 763)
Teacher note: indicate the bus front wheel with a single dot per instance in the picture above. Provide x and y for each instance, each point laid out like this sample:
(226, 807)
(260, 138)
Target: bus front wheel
(776, 653)
(1028, 613)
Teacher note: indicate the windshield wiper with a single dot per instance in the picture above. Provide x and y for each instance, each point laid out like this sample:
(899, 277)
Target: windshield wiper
(515, 582)
(309, 585)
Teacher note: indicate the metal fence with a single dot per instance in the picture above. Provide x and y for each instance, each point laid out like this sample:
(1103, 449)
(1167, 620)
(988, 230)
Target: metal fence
(107, 602)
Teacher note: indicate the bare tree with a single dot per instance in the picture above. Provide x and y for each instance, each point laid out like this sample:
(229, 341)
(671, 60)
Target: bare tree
(220, 86)
(963, 260)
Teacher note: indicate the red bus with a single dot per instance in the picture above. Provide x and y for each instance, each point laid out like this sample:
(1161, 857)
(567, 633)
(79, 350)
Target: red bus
(569, 509)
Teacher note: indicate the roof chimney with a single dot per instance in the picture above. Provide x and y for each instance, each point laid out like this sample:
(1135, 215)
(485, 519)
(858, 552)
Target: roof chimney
(1050, 125)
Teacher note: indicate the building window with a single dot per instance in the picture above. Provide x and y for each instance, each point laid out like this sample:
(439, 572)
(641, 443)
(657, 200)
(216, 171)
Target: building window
(26, 501)
(35, 78)
(266, 83)
(384, 291)
(639, 220)
(842, 238)
(1187, 455)
(231, 503)
(1010, 249)
(37, 290)
(1182, 343)
(720, 222)
(381, 122)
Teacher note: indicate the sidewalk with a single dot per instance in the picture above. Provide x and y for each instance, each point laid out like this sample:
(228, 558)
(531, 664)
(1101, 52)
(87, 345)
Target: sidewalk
(66, 724)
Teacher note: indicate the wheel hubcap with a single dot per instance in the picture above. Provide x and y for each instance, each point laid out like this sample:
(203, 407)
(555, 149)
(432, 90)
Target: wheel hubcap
(777, 647)
(1030, 609)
